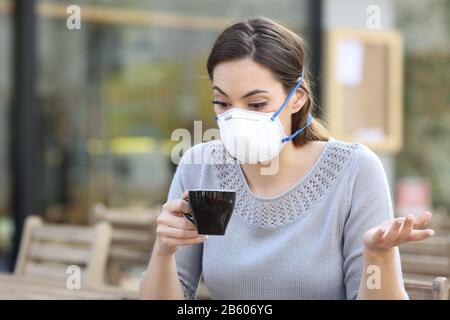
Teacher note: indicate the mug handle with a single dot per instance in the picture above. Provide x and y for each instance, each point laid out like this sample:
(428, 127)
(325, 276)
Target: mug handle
(189, 216)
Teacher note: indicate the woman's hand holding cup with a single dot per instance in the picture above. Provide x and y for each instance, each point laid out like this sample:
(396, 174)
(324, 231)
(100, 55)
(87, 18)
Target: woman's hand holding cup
(173, 229)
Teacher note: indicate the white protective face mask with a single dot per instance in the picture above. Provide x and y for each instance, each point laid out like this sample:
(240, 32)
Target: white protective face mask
(252, 136)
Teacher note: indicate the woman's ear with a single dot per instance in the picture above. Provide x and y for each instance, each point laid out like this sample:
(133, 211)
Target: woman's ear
(299, 100)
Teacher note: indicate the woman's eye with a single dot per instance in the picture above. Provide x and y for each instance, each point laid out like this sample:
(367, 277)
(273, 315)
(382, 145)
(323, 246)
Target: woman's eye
(258, 105)
(220, 103)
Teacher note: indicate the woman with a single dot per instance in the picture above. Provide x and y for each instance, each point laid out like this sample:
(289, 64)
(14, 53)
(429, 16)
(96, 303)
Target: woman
(320, 226)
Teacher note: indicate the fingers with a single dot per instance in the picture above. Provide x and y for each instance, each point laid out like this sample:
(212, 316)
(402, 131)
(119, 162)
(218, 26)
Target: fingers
(177, 205)
(185, 195)
(174, 229)
(177, 233)
(391, 236)
(174, 242)
(378, 236)
(174, 221)
(400, 230)
(422, 219)
(417, 235)
(407, 228)
(173, 214)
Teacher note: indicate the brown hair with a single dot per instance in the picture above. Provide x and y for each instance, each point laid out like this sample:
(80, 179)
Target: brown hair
(279, 49)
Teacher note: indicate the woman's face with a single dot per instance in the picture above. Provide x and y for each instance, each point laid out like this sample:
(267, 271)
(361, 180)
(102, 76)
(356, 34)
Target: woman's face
(248, 85)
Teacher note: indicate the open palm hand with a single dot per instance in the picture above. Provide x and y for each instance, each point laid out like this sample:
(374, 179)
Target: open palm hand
(397, 231)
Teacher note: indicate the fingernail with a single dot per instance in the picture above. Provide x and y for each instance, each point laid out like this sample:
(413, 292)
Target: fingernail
(431, 232)
(205, 237)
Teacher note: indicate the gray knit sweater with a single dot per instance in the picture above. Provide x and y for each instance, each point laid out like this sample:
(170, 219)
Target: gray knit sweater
(305, 243)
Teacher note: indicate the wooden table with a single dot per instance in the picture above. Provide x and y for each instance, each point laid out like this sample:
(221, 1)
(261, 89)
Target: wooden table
(14, 287)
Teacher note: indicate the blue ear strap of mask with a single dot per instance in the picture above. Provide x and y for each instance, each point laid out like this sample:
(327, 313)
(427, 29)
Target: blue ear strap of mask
(292, 136)
(288, 98)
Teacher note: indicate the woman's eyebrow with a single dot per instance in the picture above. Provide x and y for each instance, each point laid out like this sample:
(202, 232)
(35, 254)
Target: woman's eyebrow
(248, 94)
(253, 92)
(220, 90)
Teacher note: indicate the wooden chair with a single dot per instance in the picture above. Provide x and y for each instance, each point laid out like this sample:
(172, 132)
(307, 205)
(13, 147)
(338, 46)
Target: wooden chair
(440, 223)
(438, 289)
(46, 251)
(426, 259)
(133, 236)
(430, 258)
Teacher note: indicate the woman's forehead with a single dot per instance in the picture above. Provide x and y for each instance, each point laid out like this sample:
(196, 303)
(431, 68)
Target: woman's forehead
(243, 75)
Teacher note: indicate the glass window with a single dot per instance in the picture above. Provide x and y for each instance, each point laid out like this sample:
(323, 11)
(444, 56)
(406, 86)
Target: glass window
(426, 29)
(113, 92)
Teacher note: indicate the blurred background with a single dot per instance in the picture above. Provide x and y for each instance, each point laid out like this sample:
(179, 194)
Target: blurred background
(86, 115)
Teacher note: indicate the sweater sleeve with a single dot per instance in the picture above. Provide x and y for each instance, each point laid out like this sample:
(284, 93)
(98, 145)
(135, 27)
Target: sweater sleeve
(370, 206)
(188, 258)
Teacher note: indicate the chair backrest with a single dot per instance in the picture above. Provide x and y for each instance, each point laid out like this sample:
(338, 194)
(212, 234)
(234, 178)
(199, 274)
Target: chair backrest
(427, 257)
(438, 289)
(440, 223)
(47, 250)
(133, 236)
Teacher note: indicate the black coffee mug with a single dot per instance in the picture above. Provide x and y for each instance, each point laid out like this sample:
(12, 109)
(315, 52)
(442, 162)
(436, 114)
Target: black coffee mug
(211, 210)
